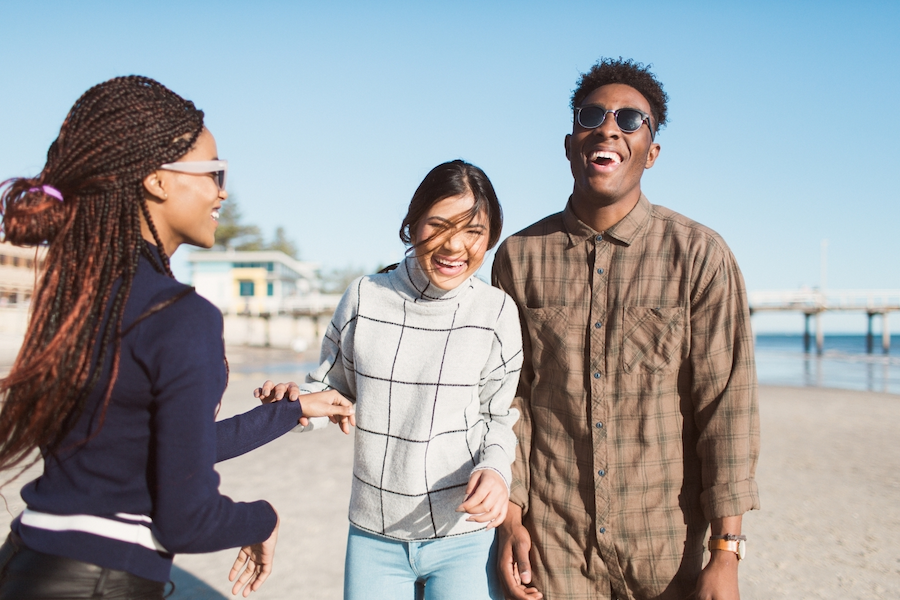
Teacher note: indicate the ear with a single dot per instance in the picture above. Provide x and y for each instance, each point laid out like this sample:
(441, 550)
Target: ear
(567, 142)
(155, 187)
(652, 154)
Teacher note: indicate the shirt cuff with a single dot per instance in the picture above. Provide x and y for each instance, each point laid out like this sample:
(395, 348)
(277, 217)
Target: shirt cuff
(518, 494)
(730, 499)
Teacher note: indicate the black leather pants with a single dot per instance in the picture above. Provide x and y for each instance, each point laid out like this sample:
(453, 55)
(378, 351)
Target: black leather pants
(29, 575)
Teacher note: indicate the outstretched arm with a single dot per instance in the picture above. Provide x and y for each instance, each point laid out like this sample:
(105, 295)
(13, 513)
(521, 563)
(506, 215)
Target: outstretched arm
(245, 432)
(327, 403)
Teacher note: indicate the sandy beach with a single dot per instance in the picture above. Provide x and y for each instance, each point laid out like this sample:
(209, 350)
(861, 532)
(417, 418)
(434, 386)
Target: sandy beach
(829, 477)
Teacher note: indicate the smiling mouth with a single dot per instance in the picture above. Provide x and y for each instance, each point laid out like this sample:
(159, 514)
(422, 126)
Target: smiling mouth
(448, 266)
(605, 158)
(215, 215)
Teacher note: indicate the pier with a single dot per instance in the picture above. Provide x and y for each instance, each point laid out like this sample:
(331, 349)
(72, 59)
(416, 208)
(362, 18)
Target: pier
(813, 303)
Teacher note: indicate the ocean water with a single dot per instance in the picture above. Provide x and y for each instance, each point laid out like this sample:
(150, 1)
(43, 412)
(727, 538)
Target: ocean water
(780, 360)
(844, 363)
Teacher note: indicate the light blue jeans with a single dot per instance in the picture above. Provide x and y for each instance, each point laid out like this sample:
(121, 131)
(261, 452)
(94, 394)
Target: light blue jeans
(377, 568)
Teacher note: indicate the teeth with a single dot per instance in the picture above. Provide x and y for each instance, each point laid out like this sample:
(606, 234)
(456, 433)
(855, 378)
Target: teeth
(613, 156)
(215, 215)
(450, 264)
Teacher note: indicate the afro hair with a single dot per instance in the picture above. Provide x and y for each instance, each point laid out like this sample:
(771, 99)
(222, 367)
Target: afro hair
(627, 72)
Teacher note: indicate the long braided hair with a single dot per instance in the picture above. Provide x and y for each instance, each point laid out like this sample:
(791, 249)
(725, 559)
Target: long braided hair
(115, 135)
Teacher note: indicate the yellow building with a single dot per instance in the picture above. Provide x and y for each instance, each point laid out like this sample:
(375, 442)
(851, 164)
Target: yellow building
(17, 274)
(17, 279)
(266, 282)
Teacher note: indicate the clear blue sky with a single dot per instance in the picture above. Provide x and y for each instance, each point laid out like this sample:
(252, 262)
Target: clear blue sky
(782, 125)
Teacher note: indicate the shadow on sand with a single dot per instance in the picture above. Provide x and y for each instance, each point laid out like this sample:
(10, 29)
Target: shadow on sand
(189, 587)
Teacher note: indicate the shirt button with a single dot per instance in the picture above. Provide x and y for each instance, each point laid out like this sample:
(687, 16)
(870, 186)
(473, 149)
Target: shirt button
(598, 324)
(597, 375)
(603, 530)
(601, 472)
(599, 238)
(599, 425)
(600, 271)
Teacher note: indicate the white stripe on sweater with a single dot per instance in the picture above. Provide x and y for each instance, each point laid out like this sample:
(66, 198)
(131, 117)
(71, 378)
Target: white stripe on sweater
(132, 533)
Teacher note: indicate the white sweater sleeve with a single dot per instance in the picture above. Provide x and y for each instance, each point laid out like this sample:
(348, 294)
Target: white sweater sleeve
(497, 388)
(335, 370)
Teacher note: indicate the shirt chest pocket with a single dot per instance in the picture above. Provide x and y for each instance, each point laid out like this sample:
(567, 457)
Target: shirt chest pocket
(548, 333)
(652, 338)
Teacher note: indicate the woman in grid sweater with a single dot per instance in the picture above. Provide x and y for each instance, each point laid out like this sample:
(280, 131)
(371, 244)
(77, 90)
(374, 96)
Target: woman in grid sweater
(431, 354)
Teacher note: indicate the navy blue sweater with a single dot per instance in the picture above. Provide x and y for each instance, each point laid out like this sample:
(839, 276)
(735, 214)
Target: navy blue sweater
(129, 494)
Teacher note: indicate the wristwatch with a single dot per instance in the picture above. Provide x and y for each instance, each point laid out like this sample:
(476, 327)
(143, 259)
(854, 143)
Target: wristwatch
(729, 542)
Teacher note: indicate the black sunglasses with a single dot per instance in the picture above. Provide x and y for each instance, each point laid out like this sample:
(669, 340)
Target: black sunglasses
(629, 120)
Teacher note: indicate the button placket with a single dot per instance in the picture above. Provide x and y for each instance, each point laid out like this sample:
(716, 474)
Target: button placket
(598, 380)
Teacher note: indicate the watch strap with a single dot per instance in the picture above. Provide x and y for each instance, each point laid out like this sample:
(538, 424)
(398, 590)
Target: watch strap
(736, 546)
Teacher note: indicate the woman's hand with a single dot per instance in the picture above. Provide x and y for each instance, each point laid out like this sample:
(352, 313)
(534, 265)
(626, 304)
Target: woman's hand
(273, 392)
(487, 498)
(329, 404)
(256, 560)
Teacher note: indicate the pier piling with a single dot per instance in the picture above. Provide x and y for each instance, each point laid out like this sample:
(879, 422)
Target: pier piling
(806, 332)
(812, 303)
(820, 334)
(870, 336)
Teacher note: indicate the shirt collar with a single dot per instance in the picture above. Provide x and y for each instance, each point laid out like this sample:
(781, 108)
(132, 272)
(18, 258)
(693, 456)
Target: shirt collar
(624, 231)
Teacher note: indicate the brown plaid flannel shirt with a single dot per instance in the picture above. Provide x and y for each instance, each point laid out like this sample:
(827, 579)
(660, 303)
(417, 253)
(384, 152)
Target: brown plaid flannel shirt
(638, 400)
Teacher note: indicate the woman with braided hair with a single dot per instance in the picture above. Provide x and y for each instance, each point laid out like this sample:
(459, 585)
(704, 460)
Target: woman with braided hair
(122, 368)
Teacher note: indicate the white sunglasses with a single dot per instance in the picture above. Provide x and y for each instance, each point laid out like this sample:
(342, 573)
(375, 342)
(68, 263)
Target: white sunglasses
(197, 167)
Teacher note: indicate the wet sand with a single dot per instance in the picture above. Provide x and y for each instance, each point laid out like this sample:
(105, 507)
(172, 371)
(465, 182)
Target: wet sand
(829, 478)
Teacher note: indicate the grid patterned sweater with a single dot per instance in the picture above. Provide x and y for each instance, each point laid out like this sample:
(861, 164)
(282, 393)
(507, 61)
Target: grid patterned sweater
(433, 374)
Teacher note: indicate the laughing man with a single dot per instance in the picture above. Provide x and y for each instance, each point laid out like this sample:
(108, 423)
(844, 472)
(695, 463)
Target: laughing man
(639, 432)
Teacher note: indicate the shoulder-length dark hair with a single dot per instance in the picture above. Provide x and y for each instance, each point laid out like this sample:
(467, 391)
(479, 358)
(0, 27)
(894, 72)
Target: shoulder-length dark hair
(454, 178)
(115, 135)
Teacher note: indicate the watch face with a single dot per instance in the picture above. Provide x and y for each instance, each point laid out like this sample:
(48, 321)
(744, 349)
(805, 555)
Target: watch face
(742, 549)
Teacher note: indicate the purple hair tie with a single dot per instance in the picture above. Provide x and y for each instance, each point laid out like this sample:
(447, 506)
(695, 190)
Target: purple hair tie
(49, 190)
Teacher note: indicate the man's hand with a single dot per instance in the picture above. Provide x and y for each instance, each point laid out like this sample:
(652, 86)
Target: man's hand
(329, 403)
(719, 579)
(487, 498)
(513, 562)
(256, 560)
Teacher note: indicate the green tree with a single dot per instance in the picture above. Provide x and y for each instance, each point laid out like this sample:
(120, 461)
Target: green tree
(284, 244)
(232, 233)
(335, 281)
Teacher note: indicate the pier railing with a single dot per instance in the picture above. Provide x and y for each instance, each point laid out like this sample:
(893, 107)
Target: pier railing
(877, 301)
(812, 303)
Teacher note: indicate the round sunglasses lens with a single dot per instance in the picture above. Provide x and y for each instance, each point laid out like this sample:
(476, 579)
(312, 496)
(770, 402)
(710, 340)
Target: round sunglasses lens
(629, 120)
(591, 117)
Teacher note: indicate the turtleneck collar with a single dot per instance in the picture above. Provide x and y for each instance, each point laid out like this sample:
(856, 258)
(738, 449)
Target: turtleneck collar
(414, 283)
